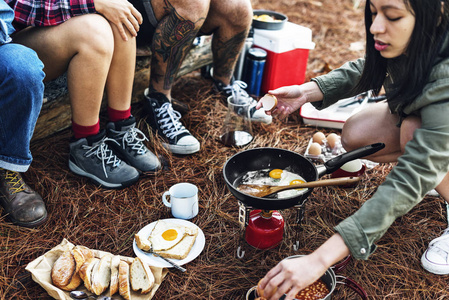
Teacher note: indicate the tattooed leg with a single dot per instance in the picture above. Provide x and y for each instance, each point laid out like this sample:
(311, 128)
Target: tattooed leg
(230, 22)
(172, 40)
(225, 55)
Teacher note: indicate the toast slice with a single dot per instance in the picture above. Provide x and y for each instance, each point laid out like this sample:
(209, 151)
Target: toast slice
(182, 249)
(141, 276)
(142, 243)
(81, 254)
(86, 272)
(101, 275)
(124, 286)
(113, 287)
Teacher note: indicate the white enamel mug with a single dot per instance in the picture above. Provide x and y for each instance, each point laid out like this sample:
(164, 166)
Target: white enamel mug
(182, 198)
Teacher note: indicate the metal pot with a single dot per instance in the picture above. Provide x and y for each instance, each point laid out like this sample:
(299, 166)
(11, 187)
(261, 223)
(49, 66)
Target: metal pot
(329, 278)
(277, 25)
(274, 158)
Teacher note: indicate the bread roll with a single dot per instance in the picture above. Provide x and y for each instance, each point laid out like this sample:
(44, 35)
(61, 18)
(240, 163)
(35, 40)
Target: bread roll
(101, 275)
(86, 272)
(63, 269)
(113, 287)
(141, 276)
(75, 282)
(123, 280)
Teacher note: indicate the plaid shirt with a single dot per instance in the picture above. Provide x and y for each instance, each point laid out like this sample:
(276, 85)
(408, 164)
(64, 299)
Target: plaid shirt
(48, 12)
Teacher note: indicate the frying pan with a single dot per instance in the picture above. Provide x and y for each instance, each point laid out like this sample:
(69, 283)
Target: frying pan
(274, 158)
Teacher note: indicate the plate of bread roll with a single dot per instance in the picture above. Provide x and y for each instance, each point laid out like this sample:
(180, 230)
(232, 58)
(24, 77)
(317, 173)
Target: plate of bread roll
(178, 240)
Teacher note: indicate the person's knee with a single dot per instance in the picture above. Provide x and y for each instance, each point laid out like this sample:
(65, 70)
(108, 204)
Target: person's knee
(408, 127)
(243, 12)
(95, 35)
(350, 135)
(235, 13)
(23, 65)
(194, 11)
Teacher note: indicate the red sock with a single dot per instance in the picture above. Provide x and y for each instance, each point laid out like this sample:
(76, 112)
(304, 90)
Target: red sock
(80, 131)
(118, 115)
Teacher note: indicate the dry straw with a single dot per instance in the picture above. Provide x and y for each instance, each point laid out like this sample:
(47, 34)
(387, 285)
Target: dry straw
(108, 219)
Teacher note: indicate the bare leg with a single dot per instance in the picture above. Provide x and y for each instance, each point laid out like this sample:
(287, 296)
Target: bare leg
(119, 84)
(377, 124)
(230, 22)
(67, 48)
(373, 125)
(179, 23)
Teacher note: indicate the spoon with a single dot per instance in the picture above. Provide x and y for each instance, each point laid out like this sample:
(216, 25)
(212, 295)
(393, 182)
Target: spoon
(259, 190)
(83, 295)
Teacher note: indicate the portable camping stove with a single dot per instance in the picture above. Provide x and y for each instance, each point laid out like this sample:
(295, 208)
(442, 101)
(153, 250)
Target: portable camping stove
(244, 220)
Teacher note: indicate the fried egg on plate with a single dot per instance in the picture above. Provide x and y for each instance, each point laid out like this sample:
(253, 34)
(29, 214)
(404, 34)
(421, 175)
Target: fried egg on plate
(166, 235)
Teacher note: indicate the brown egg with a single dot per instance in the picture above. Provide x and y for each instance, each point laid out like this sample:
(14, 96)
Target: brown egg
(315, 149)
(333, 139)
(318, 137)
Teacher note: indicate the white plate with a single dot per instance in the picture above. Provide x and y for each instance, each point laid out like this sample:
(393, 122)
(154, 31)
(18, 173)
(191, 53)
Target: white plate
(159, 262)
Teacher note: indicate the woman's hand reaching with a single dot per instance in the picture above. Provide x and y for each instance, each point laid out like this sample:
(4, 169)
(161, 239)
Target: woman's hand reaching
(291, 98)
(291, 276)
(122, 14)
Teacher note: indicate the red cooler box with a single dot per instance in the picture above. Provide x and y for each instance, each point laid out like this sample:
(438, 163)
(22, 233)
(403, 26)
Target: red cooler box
(287, 54)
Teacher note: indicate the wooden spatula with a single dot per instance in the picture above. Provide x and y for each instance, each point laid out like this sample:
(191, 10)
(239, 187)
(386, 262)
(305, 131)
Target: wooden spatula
(259, 190)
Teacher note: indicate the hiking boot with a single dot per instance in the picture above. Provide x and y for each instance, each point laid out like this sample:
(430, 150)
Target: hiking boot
(23, 206)
(129, 145)
(237, 90)
(92, 158)
(436, 258)
(164, 120)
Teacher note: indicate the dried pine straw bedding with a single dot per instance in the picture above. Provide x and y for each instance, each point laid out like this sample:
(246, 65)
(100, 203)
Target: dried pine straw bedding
(108, 219)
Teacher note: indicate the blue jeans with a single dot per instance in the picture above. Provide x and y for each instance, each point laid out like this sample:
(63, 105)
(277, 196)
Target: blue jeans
(21, 95)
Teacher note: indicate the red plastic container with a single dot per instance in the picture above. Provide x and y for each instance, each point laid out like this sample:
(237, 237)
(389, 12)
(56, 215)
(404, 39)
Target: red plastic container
(287, 55)
(265, 229)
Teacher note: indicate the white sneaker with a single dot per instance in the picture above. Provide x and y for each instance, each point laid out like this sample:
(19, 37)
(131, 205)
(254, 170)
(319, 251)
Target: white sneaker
(436, 258)
(432, 193)
(237, 90)
(164, 120)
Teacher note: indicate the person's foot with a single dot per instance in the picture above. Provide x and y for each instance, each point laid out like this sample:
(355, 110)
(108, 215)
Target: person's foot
(91, 157)
(436, 258)
(237, 90)
(129, 145)
(22, 205)
(165, 121)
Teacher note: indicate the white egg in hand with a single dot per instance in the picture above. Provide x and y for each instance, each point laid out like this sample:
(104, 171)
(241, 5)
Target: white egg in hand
(269, 102)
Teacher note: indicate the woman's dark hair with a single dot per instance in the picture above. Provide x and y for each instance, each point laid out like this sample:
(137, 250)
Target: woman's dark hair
(431, 26)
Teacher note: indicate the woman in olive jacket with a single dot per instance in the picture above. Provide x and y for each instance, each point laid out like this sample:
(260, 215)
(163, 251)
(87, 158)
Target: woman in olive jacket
(407, 55)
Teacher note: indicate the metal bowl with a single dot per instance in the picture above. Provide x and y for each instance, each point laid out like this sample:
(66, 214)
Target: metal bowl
(277, 25)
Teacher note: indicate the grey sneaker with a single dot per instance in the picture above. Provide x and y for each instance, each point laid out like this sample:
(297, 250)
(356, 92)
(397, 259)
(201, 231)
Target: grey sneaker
(92, 158)
(164, 120)
(129, 145)
(237, 90)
